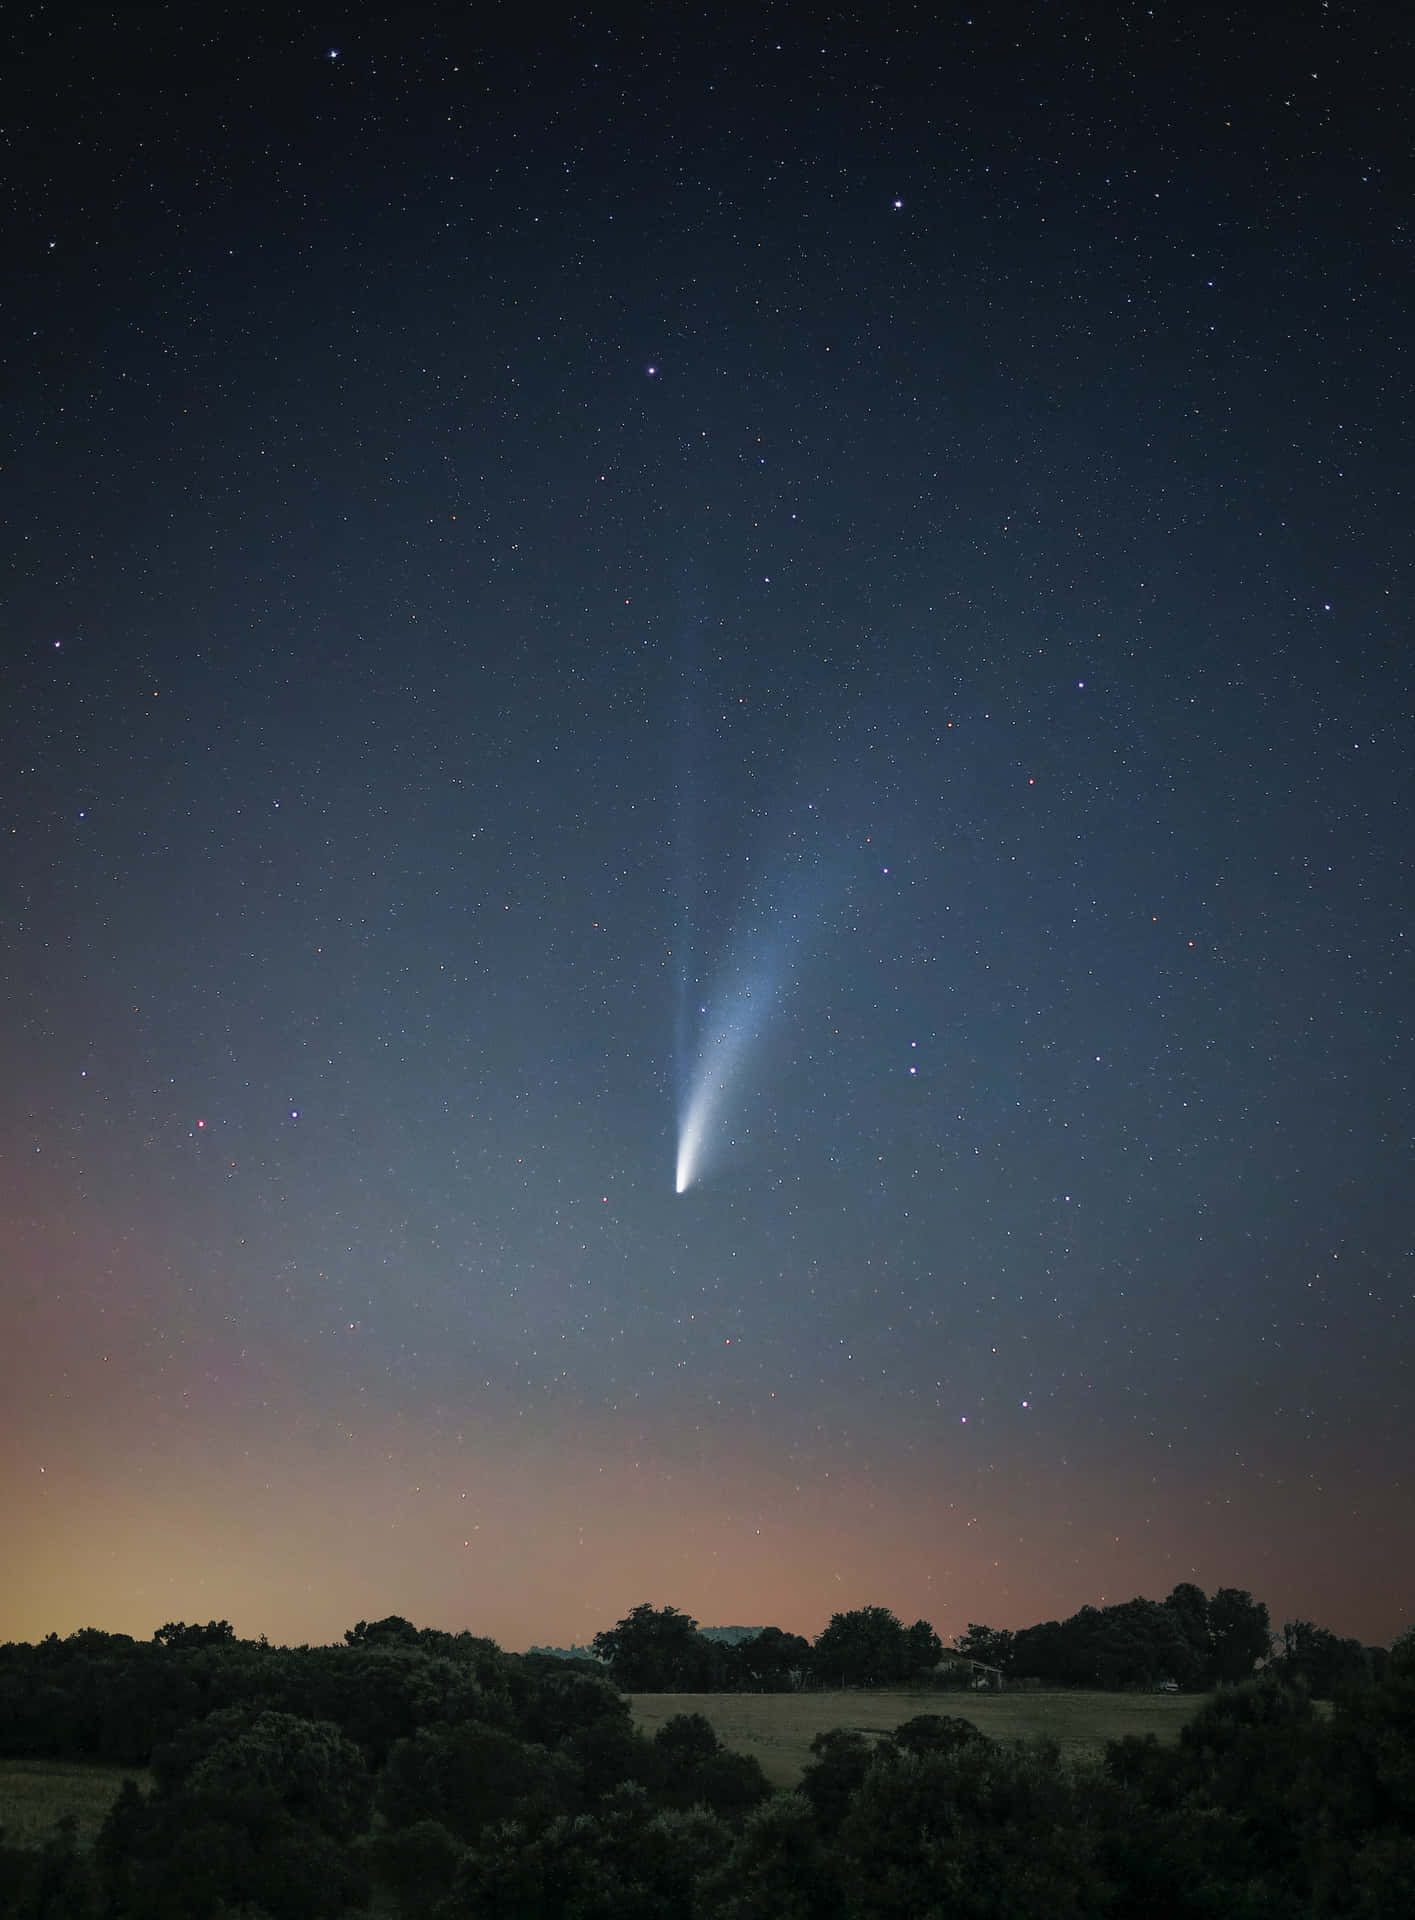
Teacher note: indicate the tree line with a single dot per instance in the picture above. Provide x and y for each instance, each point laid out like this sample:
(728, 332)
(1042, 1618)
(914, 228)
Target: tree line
(451, 1780)
(660, 1650)
(1187, 1641)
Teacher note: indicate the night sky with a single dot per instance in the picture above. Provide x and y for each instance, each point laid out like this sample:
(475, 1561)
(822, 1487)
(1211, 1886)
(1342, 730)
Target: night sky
(812, 612)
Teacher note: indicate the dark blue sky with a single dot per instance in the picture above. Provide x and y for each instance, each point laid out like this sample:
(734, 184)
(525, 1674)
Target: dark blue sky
(508, 544)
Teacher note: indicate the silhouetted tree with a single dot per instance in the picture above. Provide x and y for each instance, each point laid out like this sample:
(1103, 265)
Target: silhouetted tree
(469, 1777)
(55, 1881)
(261, 1819)
(628, 1863)
(697, 1770)
(935, 1733)
(841, 1759)
(867, 1647)
(774, 1662)
(1323, 1663)
(559, 1703)
(417, 1865)
(1190, 1607)
(182, 1638)
(608, 1753)
(1240, 1634)
(976, 1831)
(990, 1645)
(779, 1868)
(657, 1650)
(306, 1768)
(922, 1649)
(395, 1631)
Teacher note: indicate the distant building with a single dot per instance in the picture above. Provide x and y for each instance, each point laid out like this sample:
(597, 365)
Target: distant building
(974, 1675)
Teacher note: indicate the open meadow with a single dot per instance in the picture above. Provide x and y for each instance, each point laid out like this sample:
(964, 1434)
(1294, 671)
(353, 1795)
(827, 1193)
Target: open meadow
(36, 1793)
(777, 1728)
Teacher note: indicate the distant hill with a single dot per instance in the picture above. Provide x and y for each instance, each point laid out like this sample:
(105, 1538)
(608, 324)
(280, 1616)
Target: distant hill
(568, 1653)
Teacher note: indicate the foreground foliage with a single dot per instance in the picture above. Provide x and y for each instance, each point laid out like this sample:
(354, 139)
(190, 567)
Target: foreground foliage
(461, 1783)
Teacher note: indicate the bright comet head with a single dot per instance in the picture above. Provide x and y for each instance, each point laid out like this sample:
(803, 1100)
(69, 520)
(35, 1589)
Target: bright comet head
(713, 1064)
(690, 1144)
(718, 1064)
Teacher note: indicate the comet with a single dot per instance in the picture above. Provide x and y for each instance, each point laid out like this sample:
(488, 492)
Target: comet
(785, 890)
(732, 1026)
(720, 1039)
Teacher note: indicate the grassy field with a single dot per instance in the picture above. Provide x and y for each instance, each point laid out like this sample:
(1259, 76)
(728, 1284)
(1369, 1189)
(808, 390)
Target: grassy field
(777, 1728)
(36, 1793)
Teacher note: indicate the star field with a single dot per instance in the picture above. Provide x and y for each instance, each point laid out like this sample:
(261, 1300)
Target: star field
(511, 547)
